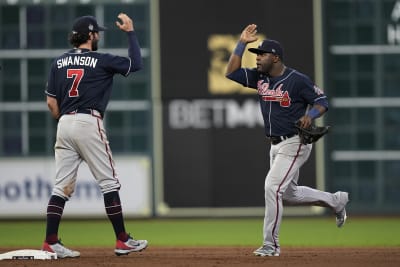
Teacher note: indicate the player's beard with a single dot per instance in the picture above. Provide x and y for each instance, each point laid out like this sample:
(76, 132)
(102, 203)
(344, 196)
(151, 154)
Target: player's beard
(95, 45)
(265, 66)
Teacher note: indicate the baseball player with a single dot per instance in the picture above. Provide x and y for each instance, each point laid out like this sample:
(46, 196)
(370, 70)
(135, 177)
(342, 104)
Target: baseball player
(78, 91)
(284, 94)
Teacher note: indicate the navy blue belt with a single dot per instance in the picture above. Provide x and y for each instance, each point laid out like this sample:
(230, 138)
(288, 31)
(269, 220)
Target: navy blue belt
(277, 139)
(93, 112)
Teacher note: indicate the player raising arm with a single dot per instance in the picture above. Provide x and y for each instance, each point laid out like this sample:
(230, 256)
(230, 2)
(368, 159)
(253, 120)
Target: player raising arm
(78, 91)
(284, 95)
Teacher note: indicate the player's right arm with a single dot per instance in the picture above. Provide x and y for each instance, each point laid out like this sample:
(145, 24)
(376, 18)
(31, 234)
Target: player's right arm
(126, 24)
(51, 94)
(248, 35)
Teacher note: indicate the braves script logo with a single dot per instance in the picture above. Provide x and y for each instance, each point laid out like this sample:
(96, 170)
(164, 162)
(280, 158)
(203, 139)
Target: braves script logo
(276, 95)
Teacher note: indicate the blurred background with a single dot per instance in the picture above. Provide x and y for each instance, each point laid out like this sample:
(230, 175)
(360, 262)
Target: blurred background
(187, 141)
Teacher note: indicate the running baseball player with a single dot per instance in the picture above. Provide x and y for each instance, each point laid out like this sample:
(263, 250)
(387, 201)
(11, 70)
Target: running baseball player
(284, 95)
(78, 91)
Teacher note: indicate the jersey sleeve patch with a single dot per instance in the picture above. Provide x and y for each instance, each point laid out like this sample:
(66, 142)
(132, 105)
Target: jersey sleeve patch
(318, 90)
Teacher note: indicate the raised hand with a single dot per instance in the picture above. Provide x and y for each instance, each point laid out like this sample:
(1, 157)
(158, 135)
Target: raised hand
(126, 25)
(249, 34)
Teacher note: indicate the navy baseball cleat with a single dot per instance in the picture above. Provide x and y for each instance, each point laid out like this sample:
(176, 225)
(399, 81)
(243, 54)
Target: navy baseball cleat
(60, 250)
(131, 245)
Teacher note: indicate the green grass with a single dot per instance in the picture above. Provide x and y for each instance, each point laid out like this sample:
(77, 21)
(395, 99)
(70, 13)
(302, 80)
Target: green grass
(314, 231)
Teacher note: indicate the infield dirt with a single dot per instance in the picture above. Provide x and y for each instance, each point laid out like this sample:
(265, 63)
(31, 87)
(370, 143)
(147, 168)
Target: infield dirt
(223, 256)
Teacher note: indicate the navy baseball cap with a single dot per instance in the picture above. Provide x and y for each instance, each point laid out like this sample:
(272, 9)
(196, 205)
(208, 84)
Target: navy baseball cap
(86, 24)
(268, 46)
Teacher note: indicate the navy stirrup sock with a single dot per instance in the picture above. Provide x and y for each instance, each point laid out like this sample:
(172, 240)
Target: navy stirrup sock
(113, 207)
(55, 210)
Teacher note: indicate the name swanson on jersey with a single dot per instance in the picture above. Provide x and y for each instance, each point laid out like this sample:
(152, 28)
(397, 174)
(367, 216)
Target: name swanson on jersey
(76, 60)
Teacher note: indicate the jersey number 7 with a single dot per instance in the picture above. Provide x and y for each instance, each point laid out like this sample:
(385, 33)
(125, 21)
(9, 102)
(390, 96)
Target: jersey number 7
(77, 75)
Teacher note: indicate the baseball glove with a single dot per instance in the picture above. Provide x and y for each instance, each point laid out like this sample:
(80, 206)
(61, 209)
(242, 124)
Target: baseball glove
(311, 134)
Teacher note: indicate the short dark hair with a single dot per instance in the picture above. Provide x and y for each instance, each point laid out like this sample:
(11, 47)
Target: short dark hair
(76, 39)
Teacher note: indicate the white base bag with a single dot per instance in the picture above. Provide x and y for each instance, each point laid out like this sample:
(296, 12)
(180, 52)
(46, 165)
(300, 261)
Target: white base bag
(28, 254)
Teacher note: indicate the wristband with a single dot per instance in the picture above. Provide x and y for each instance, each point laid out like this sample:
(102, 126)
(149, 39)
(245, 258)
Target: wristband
(313, 113)
(239, 50)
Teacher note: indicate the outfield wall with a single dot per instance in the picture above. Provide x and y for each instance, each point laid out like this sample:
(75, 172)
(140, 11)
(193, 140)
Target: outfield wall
(25, 188)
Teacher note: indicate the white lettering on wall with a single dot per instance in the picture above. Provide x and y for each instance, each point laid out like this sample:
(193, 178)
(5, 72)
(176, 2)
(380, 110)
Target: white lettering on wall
(396, 11)
(393, 30)
(214, 113)
(393, 34)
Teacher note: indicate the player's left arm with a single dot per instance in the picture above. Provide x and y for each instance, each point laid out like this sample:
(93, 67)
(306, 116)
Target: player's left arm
(319, 102)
